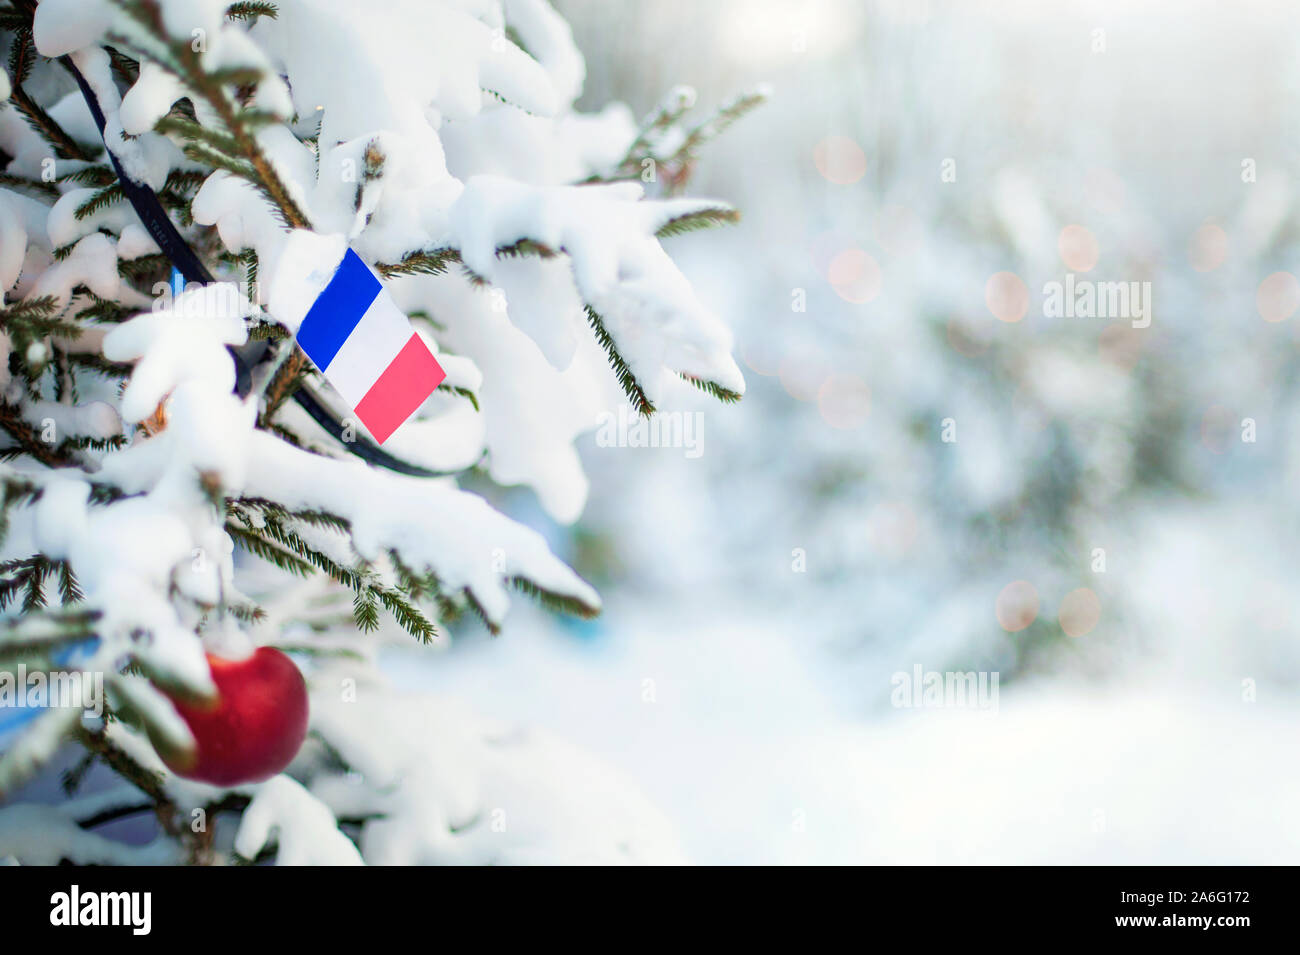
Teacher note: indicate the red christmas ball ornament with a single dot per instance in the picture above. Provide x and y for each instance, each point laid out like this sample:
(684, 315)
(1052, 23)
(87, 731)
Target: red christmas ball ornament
(254, 728)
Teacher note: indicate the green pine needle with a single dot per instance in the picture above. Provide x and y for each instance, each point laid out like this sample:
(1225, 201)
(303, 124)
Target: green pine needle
(261, 547)
(631, 387)
(697, 221)
(420, 262)
(559, 603)
(251, 10)
(102, 199)
(725, 395)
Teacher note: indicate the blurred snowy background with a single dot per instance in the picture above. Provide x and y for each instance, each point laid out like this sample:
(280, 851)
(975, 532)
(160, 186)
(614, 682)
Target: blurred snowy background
(1113, 530)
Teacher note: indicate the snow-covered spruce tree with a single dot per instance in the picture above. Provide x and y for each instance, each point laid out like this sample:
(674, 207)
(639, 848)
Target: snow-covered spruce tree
(181, 485)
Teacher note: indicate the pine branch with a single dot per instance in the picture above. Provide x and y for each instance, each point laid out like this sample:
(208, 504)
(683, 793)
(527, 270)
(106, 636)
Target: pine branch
(557, 602)
(103, 310)
(631, 387)
(30, 572)
(720, 122)
(235, 76)
(241, 169)
(114, 442)
(697, 221)
(287, 379)
(107, 815)
(187, 181)
(29, 442)
(125, 68)
(98, 363)
(145, 267)
(313, 518)
(725, 395)
(435, 262)
(241, 147)
(275, 538)
(463, 393)
(70, 780)
(69, 590)
(408, 616)
(678, 164)
(191, 131)
(294, 543)
(525, 248)
(372, 169)
(102, 199)
(34, 319)
(247, 260)
(147, 781)
(14, 492)
(254, 543)
(22, 56)
(365, 610)
(251, 9)
(430, 262)
(666, 115)
(45, 190)
(267, 331)
(38, 633)
(89, 176)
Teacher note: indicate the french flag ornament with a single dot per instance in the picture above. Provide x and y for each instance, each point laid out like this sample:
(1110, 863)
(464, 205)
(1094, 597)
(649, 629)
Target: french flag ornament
(361, 341)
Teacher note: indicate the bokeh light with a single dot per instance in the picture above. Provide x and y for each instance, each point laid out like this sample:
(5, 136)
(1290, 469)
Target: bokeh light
(840, 160)
(1208, 248)
(1080, 612)
(1278, 296)
(1078, 248)
(1017, 606)
(1007, 296)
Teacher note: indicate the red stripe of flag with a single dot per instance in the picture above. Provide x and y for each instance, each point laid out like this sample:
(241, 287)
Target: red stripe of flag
(402, 388)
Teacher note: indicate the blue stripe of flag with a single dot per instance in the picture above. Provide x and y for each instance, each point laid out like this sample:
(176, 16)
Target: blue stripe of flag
(337, 310)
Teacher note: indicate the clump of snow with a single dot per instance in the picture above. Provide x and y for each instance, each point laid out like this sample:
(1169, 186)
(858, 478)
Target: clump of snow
(619, 269)
(92, 263)
(183, 342)
(305, 264)
(304, 829)
(456, 534)
(91, 419)
(65, 26)
(547, 36)
(450, 786)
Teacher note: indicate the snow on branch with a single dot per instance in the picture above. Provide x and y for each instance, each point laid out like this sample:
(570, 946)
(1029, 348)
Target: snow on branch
(646, 311)
(454, 535)
(300, 826)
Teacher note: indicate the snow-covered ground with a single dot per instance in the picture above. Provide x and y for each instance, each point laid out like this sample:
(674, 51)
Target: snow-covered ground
(728, 725)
